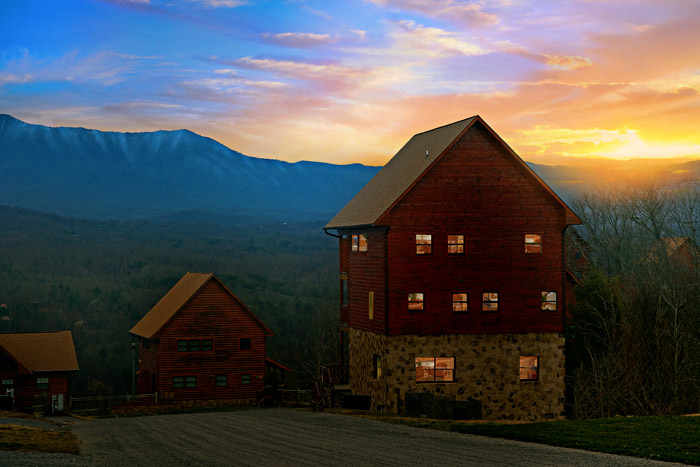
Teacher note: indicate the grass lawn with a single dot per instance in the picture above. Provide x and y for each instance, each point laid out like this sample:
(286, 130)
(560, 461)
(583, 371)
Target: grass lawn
(667, 438)
(23, 438)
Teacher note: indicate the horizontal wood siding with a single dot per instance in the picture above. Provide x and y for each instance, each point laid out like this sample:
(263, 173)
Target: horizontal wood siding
(476, 189)
(148, 366)
(367, 273)
(214, 314)
(26, 390)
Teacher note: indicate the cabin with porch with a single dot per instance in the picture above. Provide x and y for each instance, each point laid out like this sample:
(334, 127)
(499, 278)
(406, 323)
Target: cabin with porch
(452, 278)
(35, 370)
(200, 342)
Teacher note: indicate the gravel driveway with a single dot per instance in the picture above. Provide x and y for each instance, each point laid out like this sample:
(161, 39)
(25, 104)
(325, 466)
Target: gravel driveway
(262, 437)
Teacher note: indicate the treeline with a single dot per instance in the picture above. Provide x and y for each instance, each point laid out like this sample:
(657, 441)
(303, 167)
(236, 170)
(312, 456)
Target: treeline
(634, 336)
(98, 279)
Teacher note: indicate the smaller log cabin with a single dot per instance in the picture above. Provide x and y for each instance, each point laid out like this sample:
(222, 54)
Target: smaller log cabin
(200, 342)
(35, 369)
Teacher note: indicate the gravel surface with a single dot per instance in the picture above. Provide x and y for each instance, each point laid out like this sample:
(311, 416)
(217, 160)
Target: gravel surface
(280, 437)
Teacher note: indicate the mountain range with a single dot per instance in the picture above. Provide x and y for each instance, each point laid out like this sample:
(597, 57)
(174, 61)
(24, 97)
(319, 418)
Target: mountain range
(180, 175)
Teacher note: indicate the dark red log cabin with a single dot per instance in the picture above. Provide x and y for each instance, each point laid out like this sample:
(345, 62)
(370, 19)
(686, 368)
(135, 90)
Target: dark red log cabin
(35, 369)
(200, 342)
(452, 277)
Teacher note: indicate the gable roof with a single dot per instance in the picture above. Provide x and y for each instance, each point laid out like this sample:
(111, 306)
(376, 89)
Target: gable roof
(41, 351)
(172, 302)
(407, 167)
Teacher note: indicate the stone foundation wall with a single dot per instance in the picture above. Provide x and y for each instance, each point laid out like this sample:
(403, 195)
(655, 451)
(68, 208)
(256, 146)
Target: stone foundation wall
(486, 369)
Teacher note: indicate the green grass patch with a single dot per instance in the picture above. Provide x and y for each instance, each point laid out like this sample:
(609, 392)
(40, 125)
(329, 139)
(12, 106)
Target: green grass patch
(668, 438)
(22, 438)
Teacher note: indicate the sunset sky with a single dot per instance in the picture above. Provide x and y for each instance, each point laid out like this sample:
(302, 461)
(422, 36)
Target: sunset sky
(351, 81)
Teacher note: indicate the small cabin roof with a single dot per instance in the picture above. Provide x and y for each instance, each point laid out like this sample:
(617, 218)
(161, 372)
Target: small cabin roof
(176, 298)
(408, 166)
(41, 351)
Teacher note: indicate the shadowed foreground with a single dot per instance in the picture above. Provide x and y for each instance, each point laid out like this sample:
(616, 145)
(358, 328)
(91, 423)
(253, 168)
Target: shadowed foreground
(293, 437)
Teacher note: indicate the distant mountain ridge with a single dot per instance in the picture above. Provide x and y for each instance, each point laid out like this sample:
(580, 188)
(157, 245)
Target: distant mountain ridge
(179, 175)
(95, 174)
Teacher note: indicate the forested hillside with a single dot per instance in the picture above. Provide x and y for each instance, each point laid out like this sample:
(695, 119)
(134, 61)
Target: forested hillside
(98, 278)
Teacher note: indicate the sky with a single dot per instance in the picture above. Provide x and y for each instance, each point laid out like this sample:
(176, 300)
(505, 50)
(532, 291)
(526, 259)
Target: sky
(351, 81)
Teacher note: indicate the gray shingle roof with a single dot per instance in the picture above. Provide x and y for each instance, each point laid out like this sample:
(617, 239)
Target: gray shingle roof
(406, 167)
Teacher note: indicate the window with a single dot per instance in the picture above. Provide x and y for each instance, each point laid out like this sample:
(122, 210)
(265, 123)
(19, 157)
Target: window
(533, 243)
(42, 383)
(245, 343)
(489, 302)
(190, 381)
(344, 291)
(8, 382)
(377, 367)
(415, 301)
(549, 301)
(363, 242)
(245, 379)
(184, 382)
(460, 302)
(435, 369)
(221, 380)
(455, 244)
(424, 244)
(370, 310)
(178, 382)
(529, 367)
(359, 242)
(195, 345)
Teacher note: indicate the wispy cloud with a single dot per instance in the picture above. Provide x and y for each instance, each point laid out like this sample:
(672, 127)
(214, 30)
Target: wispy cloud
(454, 10)
(299, 40)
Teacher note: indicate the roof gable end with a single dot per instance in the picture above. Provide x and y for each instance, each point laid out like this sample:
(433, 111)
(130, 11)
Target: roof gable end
(176, 299)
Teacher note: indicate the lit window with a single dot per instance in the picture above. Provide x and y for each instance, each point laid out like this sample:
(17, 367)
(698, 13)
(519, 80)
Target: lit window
(371, 305)
(207, 344)
(529, 367)
(190, 381)
(363, 242)
(182, 346)
(377, 367)
(415, 301)
(460, 302)
(245, 379)
(455, 244)
(489, 302)
(435, 369)
(245, 343)
(355, 242)
(42, 383)
(549, 301)
(221, 380)
(533, 243)
(178, 382)
(424, 244)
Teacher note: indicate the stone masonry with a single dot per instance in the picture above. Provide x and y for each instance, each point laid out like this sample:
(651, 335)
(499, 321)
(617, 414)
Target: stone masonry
(486, 369)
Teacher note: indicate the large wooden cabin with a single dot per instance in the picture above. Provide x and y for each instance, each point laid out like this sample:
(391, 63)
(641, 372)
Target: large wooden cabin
(452, 277)
(200, 342)
(35, 369)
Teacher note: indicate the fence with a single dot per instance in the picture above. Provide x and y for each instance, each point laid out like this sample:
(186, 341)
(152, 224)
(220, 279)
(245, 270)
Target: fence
(103, 404)
(431, 405)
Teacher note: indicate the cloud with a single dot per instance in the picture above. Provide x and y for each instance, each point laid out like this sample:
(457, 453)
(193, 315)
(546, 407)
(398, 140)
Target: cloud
(417, 39)
(220, 3)
(299, 40)
(453, 10)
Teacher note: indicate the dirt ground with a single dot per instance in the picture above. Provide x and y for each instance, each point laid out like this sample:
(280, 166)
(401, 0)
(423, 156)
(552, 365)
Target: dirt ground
(280, 437)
